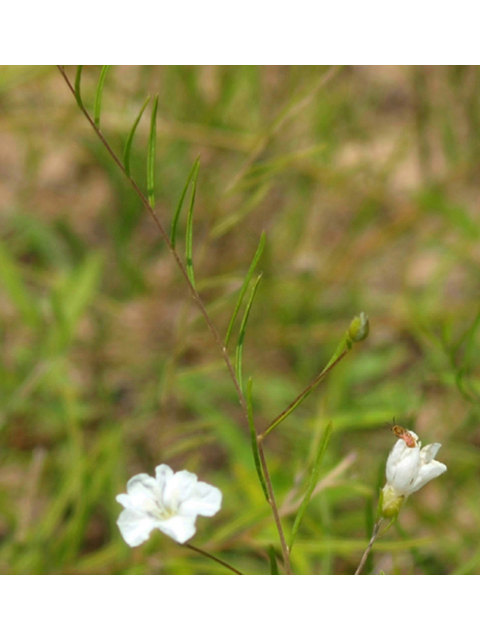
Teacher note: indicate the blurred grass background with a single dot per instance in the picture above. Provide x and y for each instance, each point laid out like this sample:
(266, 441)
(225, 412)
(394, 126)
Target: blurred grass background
(366, 181)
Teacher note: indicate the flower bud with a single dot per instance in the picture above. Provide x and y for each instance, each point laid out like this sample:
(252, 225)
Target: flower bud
(390, 502)
(359, 328)
(409, 468)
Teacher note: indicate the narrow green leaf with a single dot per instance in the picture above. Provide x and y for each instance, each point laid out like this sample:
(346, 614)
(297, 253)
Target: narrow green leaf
(245, 284)
(128, 144)
(78, 79)
(152, 141)
(253, 436)
(176, 217)
(98, 95)
(342, 349)
(273, 561)
(241, 336)
(344, 344)
(312, 483)
(189, 229)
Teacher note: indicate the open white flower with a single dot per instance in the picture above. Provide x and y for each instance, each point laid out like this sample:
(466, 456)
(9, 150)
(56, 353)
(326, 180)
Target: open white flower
(170, 502)
(409, 468)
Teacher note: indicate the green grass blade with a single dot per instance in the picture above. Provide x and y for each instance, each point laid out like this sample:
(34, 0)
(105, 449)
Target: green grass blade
(189, 230)
(176, 217)
(273, 561)
(78, 79)
(312, 483)
(246, 282)
(129, 142)
(241, 336)
(98, 95)
(152, 141)
(253, 436)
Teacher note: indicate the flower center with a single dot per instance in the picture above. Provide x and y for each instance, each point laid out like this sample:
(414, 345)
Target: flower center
(161, 512)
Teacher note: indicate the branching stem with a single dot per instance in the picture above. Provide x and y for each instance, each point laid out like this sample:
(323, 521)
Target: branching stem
(286, 412)
(201, 307)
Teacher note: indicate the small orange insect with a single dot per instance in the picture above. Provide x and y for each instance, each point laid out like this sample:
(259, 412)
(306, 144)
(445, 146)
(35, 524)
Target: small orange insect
(404, 435)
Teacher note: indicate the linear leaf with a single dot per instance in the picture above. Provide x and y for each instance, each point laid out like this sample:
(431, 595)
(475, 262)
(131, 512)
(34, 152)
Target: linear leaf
(78, 79)
(273, 561)
(176, 217)
(189, 229)
(128, 143)
(342, 349)
(245, 284)
(312, 483)
(98, 95)
(152, 141)
(241, 336)
(253, 436)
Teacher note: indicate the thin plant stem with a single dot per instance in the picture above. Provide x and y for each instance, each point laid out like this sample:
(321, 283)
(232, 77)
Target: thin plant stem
(376, 531)
(214, 558)
(286, 412)
(276, 514)
(174, 253)
(195, 295)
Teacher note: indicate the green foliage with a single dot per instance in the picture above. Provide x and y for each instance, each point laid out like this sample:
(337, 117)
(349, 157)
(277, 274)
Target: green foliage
(128, 144)
(312, 482)
(245, 284)
(152, 145)
(349, 200)
(189, 229)
(173, 232)
(98, 95)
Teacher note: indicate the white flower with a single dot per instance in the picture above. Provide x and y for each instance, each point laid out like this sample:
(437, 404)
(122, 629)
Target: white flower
(170, 502)
(409, 468)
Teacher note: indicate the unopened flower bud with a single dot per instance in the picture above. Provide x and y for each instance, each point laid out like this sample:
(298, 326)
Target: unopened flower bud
(359, 328)
(390, 502)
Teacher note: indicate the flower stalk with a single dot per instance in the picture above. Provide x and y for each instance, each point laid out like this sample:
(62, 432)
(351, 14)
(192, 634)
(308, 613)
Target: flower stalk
(358, 330)
(375, 533)
(195, 295)
(409, 468)
(214, 558)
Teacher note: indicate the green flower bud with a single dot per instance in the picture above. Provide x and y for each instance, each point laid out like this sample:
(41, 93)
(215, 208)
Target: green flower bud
(359, 328)
(390, 502)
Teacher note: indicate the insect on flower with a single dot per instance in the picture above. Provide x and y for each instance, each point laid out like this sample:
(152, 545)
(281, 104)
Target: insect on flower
(409, 468)
(403, 434)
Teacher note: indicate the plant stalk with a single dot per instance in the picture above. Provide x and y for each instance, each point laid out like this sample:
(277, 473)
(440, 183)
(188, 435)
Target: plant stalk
(200, 305)
(376, 531)
(212, 557)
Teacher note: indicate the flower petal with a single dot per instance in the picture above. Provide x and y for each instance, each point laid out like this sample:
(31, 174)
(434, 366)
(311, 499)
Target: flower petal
(429, 452)
(403, 465)
(428, 472)
(163, 475)
(178, 489)
(135, 526)
(204, 500)
(180, 528)
(142, 493)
